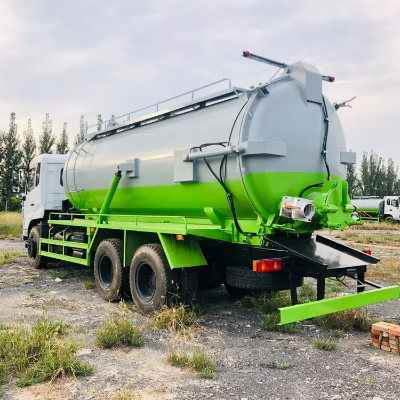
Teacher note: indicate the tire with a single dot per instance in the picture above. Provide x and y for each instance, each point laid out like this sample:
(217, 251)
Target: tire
(151, 279)
(390, 220)
(35, 260)
(246, 278)
(188, 284)
(108, 269)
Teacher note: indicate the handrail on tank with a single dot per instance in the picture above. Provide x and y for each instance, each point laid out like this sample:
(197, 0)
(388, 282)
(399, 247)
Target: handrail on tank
(156, 105)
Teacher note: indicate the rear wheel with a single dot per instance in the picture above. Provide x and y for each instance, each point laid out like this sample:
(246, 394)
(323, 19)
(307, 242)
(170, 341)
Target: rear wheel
(108, 269)
(36, 261)
(151, 279)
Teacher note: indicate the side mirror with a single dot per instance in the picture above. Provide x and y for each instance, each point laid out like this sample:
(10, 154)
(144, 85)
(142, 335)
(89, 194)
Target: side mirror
(15, 182)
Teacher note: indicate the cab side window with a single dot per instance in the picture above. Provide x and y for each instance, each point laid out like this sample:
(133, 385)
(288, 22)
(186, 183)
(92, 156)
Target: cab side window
(37, 175)
(395, 203)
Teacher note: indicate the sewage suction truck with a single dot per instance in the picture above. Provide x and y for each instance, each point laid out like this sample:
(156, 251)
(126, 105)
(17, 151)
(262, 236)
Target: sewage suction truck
(374, 208)
(225, 188)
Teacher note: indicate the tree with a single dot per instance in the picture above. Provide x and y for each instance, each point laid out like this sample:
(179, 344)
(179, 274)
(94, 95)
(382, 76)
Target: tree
(372, 175)
(391, 179)
(62, 144)
(11, 157)
(47, 139)
(83, 127)
(28, 153)
(99, 123)
(352, 179)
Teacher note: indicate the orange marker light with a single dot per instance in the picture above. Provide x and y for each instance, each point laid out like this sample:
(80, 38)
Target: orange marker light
(180, 237)
(92, 229)
(50, 225)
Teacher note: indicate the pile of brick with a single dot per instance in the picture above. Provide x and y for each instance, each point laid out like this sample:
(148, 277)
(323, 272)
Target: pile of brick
(386, 336)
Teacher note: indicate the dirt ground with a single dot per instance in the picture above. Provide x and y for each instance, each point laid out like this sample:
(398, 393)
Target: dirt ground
(246, 355)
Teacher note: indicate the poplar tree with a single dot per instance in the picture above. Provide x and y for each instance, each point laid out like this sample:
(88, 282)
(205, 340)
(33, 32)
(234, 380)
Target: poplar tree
(83, 127)
(46, 139)
(28, 153)
(99, 123)
(11, 157)
(62, 144)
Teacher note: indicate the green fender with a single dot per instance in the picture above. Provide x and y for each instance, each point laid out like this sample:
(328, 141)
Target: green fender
(182, 253)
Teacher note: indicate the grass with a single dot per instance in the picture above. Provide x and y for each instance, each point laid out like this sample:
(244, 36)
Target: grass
(118, 331)
(9, 257)
(266, 307)
(88, 285)
(126, 394)
(10, 225)
(58, 273)
(338, 333)
(179, 319)
(283, 366)
(388, 270)
(348, 320)
(375, 226)
(38, 353)
(324, 344)
(363, 381)
(198, 362)
(368, 238)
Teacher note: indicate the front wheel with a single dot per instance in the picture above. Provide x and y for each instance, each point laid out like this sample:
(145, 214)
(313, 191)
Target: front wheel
(151, 279)
(35, 260)
(390, 220)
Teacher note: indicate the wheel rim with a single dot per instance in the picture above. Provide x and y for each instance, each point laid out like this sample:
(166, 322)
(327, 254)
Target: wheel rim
(145, 281)
(105, 270)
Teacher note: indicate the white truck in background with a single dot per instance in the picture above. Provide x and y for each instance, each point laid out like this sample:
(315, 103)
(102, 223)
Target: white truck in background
(374, 208)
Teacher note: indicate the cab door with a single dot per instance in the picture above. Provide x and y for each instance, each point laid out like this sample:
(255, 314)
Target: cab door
(32, 206)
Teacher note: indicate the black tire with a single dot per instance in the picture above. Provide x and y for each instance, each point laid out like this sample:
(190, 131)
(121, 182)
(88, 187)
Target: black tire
(246, 278)
(35, 260)
(390, 220)
(108, 269)
(188, 283)
(151, 279)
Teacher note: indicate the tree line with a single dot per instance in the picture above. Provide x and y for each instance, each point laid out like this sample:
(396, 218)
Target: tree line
(374, 177)
(17, 154)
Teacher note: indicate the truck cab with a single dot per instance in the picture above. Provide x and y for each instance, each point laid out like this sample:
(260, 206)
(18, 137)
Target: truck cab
(44, 192)
(391, 210)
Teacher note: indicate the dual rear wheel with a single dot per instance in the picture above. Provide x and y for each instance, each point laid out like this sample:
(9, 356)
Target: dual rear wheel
(150, 280)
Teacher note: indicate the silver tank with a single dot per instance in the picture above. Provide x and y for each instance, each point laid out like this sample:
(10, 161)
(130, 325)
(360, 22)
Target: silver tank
(281, 124)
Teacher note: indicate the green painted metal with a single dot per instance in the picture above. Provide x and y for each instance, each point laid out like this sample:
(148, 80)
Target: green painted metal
(301, 312)
(105, 208)
(63, 243)
(63, 257)
(259, 214)
(182, 253)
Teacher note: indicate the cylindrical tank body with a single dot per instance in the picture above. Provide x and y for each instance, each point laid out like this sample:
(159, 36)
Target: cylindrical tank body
(367, 205)
(283, 127)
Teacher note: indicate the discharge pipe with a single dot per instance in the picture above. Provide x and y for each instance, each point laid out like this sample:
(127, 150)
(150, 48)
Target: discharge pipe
(105, 208)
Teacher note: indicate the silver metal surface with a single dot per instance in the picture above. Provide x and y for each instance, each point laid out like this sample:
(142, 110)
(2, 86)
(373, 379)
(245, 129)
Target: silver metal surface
(127, 117)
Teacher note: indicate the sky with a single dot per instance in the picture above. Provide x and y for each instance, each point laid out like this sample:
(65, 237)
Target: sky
(69, 58)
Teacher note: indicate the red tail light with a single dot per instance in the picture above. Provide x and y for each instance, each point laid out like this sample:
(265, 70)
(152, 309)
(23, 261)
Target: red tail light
(367, 251)
(271, 265)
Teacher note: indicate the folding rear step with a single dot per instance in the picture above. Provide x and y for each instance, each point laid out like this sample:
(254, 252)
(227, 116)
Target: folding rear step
(323, 258)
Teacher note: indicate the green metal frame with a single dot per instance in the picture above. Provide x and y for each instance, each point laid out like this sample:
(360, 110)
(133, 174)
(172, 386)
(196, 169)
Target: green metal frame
(301, 312)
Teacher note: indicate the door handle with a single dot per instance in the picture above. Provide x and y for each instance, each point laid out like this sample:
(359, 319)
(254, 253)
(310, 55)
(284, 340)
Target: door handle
(31, 204)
